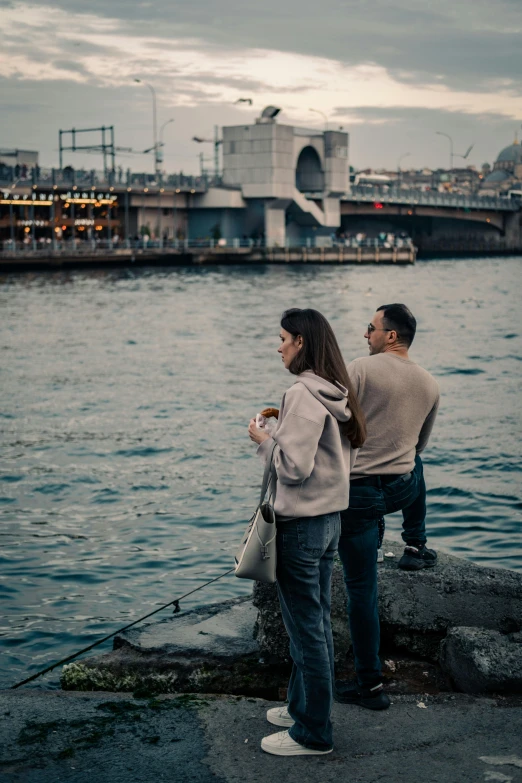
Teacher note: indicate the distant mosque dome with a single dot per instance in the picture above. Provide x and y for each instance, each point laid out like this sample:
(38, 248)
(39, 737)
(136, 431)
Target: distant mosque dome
(507, 169)
(504, 167)
(511, 154)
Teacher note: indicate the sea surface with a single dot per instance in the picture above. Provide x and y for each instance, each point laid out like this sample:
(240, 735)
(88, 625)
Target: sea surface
(126, 472)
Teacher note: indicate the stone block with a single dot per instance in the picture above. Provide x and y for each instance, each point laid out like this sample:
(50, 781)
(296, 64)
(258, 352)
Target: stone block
(416, 609)
(481, 661)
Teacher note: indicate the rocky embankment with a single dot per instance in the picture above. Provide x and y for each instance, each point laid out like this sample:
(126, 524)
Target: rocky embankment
(457, 625)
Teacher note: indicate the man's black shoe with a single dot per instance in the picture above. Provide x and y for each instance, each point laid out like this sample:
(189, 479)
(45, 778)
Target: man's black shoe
(417, 557)
(372, 698)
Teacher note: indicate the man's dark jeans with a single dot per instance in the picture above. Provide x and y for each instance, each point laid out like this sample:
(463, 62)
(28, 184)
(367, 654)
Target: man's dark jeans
(305, 554)
(370, 500)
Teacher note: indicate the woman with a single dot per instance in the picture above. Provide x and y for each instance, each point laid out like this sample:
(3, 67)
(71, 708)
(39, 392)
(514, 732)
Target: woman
(319, 428)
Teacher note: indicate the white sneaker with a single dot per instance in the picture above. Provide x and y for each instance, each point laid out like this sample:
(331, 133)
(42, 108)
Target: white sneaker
(282, 744)
(279, 716)
(380, 556)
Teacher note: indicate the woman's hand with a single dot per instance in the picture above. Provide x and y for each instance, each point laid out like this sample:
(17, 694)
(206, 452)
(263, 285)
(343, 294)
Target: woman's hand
(255, 434)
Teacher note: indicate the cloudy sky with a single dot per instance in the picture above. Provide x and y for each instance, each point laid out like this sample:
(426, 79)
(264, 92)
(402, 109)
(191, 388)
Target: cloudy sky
(391, 72)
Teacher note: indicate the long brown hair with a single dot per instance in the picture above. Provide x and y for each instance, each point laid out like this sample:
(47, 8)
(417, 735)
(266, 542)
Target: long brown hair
(321, 354)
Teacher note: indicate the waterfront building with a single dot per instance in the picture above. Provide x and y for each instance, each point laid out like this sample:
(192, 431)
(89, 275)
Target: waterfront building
(33, 213)
(280, 183)
(464, 180)
(22, 160)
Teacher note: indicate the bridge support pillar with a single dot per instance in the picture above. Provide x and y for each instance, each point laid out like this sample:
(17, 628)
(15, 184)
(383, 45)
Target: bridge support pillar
(332, 211)
(512, 230)
(275, 222)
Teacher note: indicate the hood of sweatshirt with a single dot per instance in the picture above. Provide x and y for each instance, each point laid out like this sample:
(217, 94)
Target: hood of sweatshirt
(334, 397)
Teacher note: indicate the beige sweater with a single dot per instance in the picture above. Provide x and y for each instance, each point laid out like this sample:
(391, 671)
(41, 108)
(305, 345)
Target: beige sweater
(312, 460)
(400, 401)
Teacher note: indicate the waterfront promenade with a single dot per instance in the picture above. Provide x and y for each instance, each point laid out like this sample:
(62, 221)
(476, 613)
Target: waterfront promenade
(199, 253)
(96, 737)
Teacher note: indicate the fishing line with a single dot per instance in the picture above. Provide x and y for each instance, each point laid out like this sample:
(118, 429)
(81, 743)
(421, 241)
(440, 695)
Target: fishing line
(174, 603)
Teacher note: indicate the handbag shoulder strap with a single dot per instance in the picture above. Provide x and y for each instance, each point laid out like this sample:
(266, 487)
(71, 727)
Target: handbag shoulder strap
(267, 474)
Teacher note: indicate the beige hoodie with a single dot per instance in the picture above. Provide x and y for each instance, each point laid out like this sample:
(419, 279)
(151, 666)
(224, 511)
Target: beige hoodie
(312, 459)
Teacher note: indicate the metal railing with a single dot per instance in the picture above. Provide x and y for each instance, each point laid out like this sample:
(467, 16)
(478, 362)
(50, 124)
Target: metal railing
(95, 246)
(390, 195)
(16, 176)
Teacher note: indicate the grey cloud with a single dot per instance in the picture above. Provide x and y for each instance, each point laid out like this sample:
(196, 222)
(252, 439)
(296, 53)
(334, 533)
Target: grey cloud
(467, 43)
(409, 114)
(381, 134)
(203, 96)
(230, 81)
(239, 83)
(70, 65)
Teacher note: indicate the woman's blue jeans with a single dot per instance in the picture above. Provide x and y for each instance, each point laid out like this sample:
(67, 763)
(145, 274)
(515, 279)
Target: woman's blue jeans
(305, 554)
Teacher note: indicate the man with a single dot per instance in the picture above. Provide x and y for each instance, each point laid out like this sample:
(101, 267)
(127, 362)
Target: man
(400, 402)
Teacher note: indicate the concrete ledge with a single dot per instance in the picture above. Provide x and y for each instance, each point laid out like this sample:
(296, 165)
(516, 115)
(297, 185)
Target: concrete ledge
(241, 646)
(207, 650)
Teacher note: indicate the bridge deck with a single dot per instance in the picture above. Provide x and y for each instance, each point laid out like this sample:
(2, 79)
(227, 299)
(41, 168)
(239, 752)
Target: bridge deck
(411, 198)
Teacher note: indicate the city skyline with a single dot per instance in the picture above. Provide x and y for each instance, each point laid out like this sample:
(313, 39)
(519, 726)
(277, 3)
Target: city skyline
(390, 75)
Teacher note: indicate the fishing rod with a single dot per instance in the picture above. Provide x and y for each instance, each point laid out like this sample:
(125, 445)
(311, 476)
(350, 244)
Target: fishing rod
(174, 603)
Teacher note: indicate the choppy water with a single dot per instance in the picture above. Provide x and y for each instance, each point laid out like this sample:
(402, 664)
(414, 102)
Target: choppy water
(126, 474)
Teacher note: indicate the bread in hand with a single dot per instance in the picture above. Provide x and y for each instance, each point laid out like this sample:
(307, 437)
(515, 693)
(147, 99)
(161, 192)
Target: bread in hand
(270, 413)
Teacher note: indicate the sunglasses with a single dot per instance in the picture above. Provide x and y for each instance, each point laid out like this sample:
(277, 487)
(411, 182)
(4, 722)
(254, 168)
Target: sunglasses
(371, 328)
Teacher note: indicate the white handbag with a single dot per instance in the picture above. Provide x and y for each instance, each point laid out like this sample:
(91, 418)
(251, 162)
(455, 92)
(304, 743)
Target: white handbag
(256, 557)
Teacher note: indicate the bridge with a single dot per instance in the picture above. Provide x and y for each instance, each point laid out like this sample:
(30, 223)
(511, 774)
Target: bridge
(429, 198)
(445, 222)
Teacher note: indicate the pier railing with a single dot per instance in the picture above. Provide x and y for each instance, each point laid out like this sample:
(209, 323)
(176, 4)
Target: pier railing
(88, 247)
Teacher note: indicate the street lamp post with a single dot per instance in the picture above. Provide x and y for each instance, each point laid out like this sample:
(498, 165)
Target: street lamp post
(161, 144)
(160, 159)
(12, 227)
(12, 217)
(157, 160)
(127, 228)
(323, 115)
(441, 133)
(399, 175)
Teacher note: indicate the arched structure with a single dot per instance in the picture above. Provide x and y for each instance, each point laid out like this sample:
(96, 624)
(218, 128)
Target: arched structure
(309, 174)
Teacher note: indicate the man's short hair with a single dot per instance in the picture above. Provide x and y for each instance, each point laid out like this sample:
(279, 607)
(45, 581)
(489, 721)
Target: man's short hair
(398, 317)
